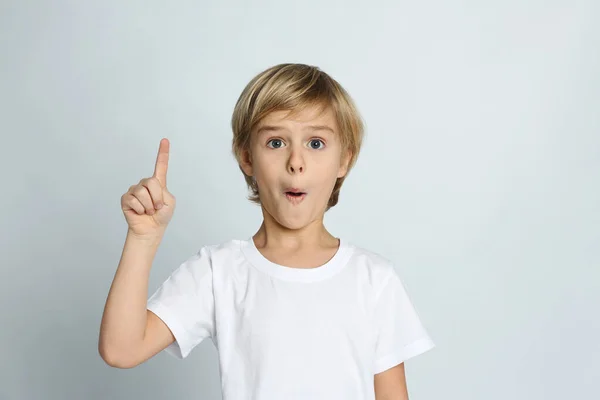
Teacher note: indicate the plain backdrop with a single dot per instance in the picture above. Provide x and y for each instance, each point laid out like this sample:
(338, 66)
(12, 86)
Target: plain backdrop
(479, 177)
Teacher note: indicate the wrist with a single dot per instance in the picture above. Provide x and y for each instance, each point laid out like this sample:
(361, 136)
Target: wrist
(151, 239)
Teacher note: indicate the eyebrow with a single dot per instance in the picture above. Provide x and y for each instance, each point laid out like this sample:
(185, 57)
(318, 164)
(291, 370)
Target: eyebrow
(274, 128)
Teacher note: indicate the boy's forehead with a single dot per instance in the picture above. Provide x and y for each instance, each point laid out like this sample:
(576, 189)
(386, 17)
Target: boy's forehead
(310, 117)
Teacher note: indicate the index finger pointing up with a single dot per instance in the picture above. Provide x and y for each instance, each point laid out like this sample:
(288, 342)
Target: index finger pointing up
(162, 162)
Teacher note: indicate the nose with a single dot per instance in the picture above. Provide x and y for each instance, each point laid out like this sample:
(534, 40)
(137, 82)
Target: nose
(296, 162)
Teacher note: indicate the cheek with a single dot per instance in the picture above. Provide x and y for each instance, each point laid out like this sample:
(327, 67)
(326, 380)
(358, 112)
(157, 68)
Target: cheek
(327, 175)
(329, 167)
(265, 171)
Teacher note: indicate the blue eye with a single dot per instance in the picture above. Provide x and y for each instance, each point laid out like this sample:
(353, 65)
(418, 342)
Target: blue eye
(316, 141)
(275, 141)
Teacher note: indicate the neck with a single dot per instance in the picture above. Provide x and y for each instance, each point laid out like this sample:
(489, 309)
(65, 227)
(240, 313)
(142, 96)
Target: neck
(274, 235)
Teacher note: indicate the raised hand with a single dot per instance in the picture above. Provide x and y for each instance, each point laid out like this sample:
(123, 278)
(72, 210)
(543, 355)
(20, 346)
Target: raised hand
(148, 206)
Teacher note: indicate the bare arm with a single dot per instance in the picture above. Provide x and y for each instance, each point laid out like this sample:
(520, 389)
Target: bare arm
(129, 333)
(391, 384)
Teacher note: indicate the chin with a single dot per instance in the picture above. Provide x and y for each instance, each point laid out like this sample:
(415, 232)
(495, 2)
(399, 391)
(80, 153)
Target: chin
(290, 219)
(293, 223)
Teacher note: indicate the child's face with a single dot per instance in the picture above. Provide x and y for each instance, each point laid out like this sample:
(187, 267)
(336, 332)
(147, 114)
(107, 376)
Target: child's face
(289, 152)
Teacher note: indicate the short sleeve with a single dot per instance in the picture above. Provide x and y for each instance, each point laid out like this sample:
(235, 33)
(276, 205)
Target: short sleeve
(185, 303)
(400, 333)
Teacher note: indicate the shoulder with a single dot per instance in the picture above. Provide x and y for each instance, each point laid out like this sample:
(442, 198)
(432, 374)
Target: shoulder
(208, 253)
(222, 248)
(220, 255)
(373, 267)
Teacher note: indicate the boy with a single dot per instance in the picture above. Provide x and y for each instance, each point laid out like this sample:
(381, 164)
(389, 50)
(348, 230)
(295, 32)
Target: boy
(294, 312)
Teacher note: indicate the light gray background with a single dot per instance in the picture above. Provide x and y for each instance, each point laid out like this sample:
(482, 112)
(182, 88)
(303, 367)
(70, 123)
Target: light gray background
(479, 177)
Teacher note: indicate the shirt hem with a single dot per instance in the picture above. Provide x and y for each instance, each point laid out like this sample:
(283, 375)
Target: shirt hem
(180, 348)
(414, 349)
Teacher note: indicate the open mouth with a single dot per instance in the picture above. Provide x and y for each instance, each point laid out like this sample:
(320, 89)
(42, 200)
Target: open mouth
(295, 195)
(294, 191)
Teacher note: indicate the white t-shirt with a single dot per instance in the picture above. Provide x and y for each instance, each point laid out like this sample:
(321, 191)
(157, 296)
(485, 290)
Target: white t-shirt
(290, 333)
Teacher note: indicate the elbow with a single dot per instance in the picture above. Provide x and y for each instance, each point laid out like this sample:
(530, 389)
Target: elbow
(113, 358)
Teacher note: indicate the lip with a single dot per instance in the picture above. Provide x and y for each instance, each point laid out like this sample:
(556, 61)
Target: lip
(295, 190)
(295, 200)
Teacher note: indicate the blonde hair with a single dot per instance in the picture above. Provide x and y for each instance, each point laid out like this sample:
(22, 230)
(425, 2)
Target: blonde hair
(293, 87)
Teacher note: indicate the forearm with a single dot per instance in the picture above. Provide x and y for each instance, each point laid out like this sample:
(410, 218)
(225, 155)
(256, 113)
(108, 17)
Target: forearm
(124, 319)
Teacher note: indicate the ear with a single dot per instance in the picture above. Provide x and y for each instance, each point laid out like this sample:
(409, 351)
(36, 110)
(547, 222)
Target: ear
(345, 161)
(246, 163)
